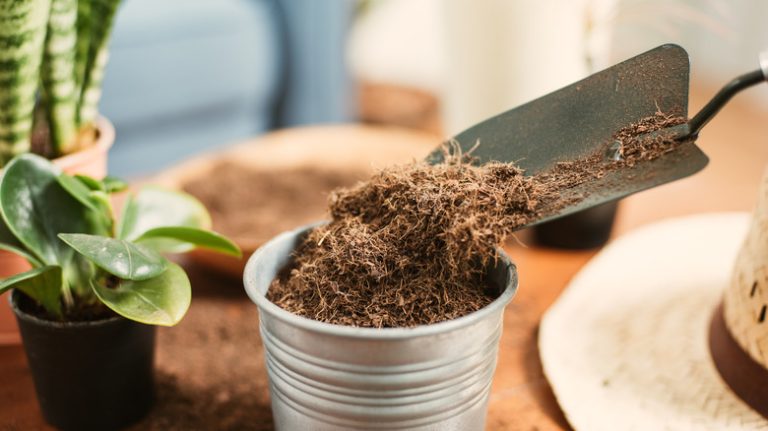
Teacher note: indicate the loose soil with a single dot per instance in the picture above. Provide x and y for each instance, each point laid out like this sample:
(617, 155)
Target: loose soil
(409, 246)
(82, 310)
(256, 204)
(210, 367)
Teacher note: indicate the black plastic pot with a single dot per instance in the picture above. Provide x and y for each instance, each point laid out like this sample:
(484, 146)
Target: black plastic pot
(585, 229)
(88, 375)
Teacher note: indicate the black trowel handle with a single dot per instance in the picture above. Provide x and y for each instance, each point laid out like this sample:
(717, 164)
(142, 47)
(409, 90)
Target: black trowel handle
(724, 95)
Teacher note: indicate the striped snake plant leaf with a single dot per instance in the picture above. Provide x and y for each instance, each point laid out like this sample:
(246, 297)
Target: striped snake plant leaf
(102, 13)
(22, 34)
(58, 73)
(83, 42)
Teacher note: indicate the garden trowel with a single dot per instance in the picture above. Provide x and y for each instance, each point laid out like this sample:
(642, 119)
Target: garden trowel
(579, 120)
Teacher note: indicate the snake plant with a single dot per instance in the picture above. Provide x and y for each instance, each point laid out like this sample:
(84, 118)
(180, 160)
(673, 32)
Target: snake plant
(52, 58)
(85, 258)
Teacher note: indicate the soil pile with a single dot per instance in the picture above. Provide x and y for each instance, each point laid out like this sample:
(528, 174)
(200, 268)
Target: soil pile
(256, 204)
(408, 246)
(210, 367)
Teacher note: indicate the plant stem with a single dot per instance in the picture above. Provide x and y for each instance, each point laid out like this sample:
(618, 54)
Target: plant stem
(101, 15)
(59, 88)
(22, 33)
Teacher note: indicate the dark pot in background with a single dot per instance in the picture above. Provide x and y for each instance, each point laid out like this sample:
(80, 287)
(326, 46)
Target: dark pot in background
(585, 229)
(88, 375)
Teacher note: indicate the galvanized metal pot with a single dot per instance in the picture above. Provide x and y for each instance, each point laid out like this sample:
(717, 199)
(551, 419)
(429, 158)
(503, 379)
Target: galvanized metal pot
(333, 377)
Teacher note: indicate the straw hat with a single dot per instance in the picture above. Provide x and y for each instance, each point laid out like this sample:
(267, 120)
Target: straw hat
(639, 340)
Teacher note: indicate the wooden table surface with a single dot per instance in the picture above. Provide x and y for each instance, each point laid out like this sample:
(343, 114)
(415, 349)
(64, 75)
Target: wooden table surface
(521, 399)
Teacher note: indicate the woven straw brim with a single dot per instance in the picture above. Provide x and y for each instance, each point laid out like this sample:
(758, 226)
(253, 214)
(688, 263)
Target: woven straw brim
(625, 347)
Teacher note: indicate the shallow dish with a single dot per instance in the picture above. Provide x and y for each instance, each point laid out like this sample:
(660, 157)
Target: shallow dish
(354, 148)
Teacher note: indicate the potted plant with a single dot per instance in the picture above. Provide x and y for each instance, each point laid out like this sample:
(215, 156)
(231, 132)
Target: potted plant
(54, 54)
(53, 59)
(327, 376)
(87, 309)
(389, 316)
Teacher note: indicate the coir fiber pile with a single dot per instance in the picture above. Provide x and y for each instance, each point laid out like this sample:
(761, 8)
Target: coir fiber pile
(408, 246)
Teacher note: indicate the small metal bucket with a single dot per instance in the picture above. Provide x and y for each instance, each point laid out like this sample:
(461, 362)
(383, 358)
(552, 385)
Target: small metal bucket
(333, 377)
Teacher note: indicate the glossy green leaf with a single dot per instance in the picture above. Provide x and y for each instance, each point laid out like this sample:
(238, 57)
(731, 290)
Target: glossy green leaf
(108, 184)
(192, 236)
(118, 257)
(102, 200)
(43, 284)
(114, 184)
(90, 182)
(9, 243)
(162, 300)
(155, 207)
(6, 236)
(37, 208)
(96, 200)
(78, 190)
(78, 274)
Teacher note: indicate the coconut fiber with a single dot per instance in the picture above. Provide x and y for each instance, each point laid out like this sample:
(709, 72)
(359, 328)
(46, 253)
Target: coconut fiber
(408, 246)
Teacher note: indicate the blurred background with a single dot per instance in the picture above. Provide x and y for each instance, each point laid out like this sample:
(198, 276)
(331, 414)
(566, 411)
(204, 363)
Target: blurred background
(190, 76)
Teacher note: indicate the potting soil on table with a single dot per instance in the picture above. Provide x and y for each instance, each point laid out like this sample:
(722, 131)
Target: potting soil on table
(256, 204)
(409, 246)
(210, 367)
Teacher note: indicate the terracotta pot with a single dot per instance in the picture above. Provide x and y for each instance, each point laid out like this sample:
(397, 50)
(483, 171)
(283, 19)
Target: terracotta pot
(93, 162)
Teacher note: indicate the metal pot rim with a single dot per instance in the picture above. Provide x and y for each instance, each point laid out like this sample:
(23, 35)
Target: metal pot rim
(268, 307)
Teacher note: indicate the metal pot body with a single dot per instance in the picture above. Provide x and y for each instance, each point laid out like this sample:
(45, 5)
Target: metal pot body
(89, 375)
(333, 377)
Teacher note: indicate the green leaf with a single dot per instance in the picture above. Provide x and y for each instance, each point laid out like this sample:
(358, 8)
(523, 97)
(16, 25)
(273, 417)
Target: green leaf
(97, 29)
(96, 200)
(155, 207)
(192, 236)
(37, 208)
(118, 257)
(108, 184)
(59, 91)
(90, 182)
(22, 34)
(77, 189)
(9, 243)
(113, 184)
(162, 300)
(44, 285)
